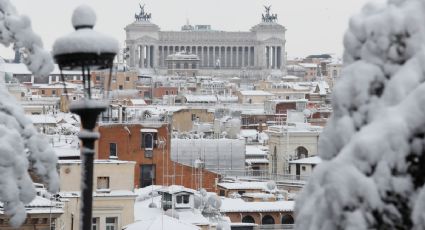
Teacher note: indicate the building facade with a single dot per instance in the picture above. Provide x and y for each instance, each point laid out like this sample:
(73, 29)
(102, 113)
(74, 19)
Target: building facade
(260, 50)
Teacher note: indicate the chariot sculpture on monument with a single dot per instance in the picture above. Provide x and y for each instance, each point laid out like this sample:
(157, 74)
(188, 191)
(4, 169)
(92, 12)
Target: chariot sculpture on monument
(142, 16)
(267, 17)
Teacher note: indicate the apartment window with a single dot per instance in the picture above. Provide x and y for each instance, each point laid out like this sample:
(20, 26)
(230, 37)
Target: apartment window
(95, 223)
(167, 200)
(103, 182)
(127, 78)
(148, 140)
(241, 192)
(53, 92)
(147, 175)
(111, 223)
(303, 168)
(112, 150)
(193, 116)
(182, 199)
(97, 78)
(42, 91)
(120, 87)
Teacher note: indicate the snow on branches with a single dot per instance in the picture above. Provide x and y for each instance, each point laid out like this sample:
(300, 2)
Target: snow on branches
(373, 147)
(22, 148)
(16, 29)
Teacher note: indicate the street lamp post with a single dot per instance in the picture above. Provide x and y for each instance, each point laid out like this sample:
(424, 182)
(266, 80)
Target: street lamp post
(86, 50)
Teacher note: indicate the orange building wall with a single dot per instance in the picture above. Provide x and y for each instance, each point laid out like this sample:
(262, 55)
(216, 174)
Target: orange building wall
(128, 148)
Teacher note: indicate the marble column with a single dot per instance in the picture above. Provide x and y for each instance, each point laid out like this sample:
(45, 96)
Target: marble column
(225, 57)
(142, 57)
(214, 56)
(237, 57)
(135, 60)
(249, 56)
(231, 56)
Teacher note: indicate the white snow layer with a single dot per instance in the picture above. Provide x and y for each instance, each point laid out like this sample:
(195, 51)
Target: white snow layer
(85, 40)
(21, 147)
(372, 175)
(83, 16)
(16, 29)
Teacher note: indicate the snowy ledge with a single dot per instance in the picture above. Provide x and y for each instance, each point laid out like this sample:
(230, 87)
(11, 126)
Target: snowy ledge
(89, 104)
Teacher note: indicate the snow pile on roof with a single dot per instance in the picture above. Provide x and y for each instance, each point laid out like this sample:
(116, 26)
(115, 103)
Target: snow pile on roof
(239, 205)
(85, 39)
(190, 98)
(372, 174)
(138, 102)
(244, 185)
(42, 119)
(308, 160)
(255, 150)
(17, 29)
(172, 189)
(39, 205)
(255, 93)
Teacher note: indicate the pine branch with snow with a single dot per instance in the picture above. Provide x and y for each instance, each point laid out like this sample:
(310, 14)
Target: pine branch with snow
(16, 29)
(373, 147)
(21, 147)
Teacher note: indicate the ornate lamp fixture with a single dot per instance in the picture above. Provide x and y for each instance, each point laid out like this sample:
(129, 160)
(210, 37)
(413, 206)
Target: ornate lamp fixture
(86, 50)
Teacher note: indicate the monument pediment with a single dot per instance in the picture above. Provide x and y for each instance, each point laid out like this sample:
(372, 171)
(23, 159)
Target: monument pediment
(146, 39)
(273, 40)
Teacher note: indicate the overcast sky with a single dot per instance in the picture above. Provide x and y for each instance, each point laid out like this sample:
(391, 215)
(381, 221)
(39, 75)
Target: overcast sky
(313, 26)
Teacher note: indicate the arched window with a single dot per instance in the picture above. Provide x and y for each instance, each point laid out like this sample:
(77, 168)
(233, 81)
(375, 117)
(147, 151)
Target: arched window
(301, 152)
(148, 140)
(287, 219)
(267, 219)
(248, 219)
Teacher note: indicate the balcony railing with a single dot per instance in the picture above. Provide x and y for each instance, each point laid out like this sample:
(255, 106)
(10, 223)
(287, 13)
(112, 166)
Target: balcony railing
(262, 175)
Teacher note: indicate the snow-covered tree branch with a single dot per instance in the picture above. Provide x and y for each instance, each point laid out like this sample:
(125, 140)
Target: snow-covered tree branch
(373, 147)
(21, 147)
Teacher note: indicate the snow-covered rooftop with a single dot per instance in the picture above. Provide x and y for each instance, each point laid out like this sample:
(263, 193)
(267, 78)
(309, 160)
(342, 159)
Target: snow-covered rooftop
(244, 185)
(42, 119)
(176, 189)
(257, 161)
(255, 150)
(255, 93)
(190, 98)
(239, 205)
(308, 160)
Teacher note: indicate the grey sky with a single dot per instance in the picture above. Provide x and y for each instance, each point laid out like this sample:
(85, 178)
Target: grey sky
(312, 26)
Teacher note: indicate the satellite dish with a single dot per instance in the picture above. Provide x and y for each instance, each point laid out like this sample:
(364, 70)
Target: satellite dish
(271, 185)
(203, 192)
(214, 201)
(197, 201)
(307, 112)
